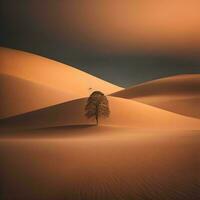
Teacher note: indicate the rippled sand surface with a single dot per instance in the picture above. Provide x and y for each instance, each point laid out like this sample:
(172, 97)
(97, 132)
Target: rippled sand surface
(109, 165)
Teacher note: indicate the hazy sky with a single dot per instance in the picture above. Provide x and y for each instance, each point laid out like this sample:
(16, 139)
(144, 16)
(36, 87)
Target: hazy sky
(125, 42)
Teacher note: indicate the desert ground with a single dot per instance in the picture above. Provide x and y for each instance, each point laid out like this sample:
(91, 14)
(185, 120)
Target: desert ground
(148, 149)
(100, 163)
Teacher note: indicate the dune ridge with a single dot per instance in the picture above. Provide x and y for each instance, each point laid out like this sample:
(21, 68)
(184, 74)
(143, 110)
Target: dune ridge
(124, 112)
(55, 74)
(179, 94)
(22, 73)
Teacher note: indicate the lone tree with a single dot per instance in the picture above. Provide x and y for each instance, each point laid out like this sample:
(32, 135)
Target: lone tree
(97, 106)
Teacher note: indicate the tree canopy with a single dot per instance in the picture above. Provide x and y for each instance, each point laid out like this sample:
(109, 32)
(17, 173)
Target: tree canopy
(97, 106)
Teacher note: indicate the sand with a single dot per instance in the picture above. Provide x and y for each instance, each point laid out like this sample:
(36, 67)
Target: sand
(49, 150)
(63, 81)
(179, 94)
(20, 96)
(124, 112)
(100, 163)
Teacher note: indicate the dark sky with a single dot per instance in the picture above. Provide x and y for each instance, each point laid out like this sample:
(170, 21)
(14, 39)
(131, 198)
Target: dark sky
(124, 42)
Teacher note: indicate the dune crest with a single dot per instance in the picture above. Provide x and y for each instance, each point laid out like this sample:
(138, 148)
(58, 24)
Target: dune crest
(124, 112)
(179, 94)
(30, 72)
(55, 74)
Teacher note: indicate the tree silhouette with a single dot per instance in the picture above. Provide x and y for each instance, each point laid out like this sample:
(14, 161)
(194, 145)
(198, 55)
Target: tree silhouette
(97, 106)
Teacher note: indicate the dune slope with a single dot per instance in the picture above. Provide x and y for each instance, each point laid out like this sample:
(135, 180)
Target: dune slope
(180, 94)
(124, 112)
(20, 96)
(29, 71)
(55, 74)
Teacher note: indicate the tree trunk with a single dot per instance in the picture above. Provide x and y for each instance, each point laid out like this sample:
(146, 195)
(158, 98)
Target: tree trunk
(97, 120)
(97, 115)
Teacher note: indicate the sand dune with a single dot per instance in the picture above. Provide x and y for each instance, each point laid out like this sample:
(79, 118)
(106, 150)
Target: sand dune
(63, 82)
(180, 94)
(20, 96)
(139, 152)
(51, 73)
(123, 113)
